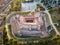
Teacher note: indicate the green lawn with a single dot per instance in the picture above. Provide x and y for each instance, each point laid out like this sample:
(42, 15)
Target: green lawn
(54, 18)
(54, 14)
(58, 28)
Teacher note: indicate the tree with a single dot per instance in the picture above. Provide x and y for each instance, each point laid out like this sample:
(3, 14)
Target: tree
(58, 10)
(5, 38)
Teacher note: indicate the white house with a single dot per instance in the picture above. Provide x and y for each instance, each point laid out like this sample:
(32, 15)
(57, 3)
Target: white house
(28, 6)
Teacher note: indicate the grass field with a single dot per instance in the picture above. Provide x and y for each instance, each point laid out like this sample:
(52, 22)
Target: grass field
(58, 27)
(55, 15)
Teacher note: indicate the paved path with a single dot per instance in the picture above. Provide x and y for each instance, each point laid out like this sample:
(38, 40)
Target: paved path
(7, 32)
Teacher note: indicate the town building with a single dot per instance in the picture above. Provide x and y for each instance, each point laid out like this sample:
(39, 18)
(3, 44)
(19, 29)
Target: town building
(29, 25)
(29, 6)
(2, 3)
